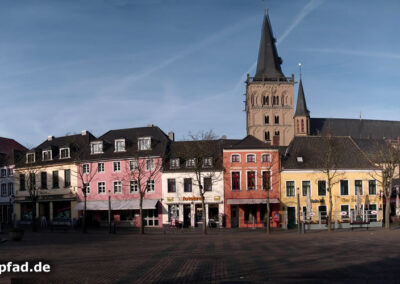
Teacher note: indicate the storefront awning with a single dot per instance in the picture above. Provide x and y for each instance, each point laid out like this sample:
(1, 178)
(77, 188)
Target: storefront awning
(252, 201)
(117, 204)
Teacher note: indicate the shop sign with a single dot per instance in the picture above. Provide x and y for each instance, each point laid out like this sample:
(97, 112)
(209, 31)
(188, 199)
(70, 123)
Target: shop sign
(343, 213)
(217, 198)
(170, 199)
(192, 198)
(374, 212)
(312, 214)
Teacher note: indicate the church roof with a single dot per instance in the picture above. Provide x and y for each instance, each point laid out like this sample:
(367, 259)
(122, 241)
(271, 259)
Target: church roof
(301, 106)
(269, 63)
(356, 128)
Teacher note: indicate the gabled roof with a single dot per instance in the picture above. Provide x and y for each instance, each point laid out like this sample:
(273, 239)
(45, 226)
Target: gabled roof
(7, 145)
(249, 142)
(301, 106)
(356, 128)
(268, 63)
(313, 152)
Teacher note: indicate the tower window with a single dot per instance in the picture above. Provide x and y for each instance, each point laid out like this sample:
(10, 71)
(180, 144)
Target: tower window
(302, 125)
(266, 119)
(276, 133)
(297, 124)
(267, 138)
(267, 100)
(273, 100)
(276, 119)
(264, 100)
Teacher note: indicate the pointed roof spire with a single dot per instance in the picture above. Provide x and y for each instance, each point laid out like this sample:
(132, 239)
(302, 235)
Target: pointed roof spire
(301, 106)
(268, 63)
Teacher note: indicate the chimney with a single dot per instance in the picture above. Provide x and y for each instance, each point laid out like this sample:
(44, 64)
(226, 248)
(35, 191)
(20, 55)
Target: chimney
(150, 125)
(49, 138)
(84, 132)
(171, 136)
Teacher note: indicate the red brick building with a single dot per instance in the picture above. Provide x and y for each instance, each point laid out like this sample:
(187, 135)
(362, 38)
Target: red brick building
(251, 167)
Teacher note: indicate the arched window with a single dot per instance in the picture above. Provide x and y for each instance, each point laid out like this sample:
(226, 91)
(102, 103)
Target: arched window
(267, 138)
(283, 100)
(266, 119)
(297, 123)
(273, 100)
(276, 119)
(264, 100)
(267, 100)
(276, 133)
(277, 100)
(302, 125)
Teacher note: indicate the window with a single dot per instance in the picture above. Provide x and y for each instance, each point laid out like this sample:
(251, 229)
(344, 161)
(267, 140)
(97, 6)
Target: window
(3, 173)
(250, 213)
(276, 133)
(267, 136)
(174, 163)
(120, 145)
(264, 100)
(235, 158)
(133, 186)
(117, 187)
(144, 143)
(173, 212)
(251, 180)
(9, 172)
(344, 209)
(150, 164)
(22, 186)
(43, 180)
(302, 125)
(297, 126)
(190, 163)
(235, 180)
(30, 158)
(133, 165)
(117, 166)
(266, 158)
(372, 217)
(266, 177)
(85, 168)
(55, 179)
(171, 185)
(358, 187)
(321, 188)
(305, 187)
(372, 187)
(96, 147)
(344, 187)
(150, 185)
(207, 182)
(251, 158)
(276, 119)
(64, 153)
(10, 189)
(290, 191)
(322, 211)
(100, 167)
(4, 189)
(187, 185)
(101, 187)
(46, 155)
(67, 178)
(208, 162)
(266, 119)
(32, 181)
(86, 187)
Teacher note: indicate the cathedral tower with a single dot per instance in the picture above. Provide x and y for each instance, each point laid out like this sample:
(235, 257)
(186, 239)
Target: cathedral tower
(269, 95)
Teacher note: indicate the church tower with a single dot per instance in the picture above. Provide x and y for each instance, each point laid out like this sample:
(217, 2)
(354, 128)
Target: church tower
(302, 114)
(269, 95)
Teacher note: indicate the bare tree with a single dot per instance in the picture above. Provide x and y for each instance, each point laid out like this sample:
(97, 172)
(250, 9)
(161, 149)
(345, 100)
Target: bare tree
(144, 171)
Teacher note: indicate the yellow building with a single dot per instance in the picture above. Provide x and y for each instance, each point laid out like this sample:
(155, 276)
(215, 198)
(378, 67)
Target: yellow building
(311, 164)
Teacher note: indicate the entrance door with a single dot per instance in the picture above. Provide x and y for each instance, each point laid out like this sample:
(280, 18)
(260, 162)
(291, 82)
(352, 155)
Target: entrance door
(44, 210)
(291, 217)
(234, 216)
(186, 215)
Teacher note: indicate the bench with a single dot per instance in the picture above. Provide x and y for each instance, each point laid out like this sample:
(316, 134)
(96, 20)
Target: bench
(358, 224)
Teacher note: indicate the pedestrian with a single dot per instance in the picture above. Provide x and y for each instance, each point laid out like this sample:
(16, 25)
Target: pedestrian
(43, 222)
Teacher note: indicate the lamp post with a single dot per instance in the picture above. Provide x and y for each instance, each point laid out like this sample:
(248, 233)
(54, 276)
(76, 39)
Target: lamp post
(12, 198)
(109, 211)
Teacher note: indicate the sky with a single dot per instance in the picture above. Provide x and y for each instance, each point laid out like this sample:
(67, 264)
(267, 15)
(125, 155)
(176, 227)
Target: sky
(68, 66)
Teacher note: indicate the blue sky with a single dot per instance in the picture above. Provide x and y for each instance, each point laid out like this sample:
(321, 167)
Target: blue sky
(66, 66)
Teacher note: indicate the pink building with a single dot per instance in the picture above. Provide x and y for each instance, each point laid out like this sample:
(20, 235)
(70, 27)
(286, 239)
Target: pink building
(118, 166)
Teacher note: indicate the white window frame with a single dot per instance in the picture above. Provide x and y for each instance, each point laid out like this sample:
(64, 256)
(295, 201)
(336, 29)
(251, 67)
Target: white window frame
(87, 188)
(117, 184)
(268, 160)
(68, 151)
(348, 189)
(48, 152)
(150, 184)
(100, 147)
(132, 185)
(235, 154)
(208, 162)
(118, 163)
(348, 212)
(133, 165)
(144, 143)
(240, 180)
(174, 163)
(116, 149)
(362, 187)
(98, 187)
(247, 180)
(151, 163)
(286, 191)
(376, 187)
(84, 166)
(247, 158)
(270, 180)
(190, 163)
(103, 167)
(10, 189)
(27, 158)
(302, 188)
(326, 187)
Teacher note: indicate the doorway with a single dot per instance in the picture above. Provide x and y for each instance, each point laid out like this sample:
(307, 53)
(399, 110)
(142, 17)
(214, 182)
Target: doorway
(186, 215)
(44, 210)
(234, 216)
(291, 217)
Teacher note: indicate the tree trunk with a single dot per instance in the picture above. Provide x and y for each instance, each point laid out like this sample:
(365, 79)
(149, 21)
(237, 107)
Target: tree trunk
(330, 210)
(141, 215)
(34, 227)
(268, 225)
(84, 215)
(387, 212)
(204, 214)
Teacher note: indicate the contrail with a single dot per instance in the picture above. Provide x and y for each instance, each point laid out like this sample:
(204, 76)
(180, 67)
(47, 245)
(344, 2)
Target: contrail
(355, 52)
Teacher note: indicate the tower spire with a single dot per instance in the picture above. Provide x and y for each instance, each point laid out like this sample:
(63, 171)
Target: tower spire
(268, 63)
(301, 106)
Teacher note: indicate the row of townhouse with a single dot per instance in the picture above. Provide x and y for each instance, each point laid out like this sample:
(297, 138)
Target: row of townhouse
(239, 178)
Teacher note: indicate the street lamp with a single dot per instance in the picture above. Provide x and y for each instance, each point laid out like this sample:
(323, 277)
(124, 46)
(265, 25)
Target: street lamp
(12, 199)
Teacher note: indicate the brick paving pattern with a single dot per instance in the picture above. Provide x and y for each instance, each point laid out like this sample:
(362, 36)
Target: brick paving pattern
(223, 256)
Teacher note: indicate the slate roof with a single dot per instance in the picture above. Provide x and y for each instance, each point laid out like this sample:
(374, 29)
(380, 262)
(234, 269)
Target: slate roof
(301, 106)
(249, 142)
(9, 150)
(268, 63)
(356, 128)
(314, 149)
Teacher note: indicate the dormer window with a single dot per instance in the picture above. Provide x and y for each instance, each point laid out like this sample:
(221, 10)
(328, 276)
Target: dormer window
(144, 143)
(64, 153)
(174, 163)
(46, 155)
(96, 147)
(207, 163)
(190, 163)
(119, 145)
(30, 158)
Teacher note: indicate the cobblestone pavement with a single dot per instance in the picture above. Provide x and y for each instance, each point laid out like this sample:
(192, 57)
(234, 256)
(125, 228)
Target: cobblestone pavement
(222, 256)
